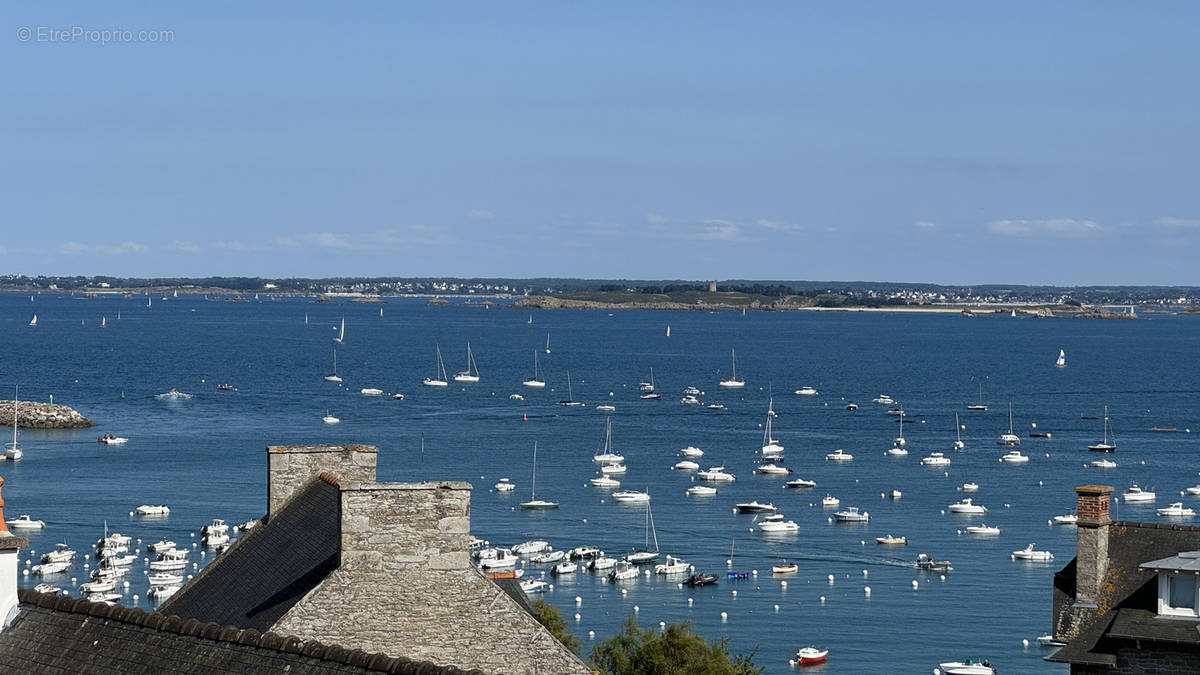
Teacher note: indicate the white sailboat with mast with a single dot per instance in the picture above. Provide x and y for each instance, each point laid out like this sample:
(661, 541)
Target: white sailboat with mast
(958, 441)
(733, 381)
(1104, 446)
(341, 332)
(534, 502)
(979, 405)
(535, 381)
(1062, 359)
(333, 376)
(471, 374)
(645, 555)
(770, 446)
(440, 379)
(547, 343)
(606, 454)
(12, 451)
(1009, 438)
(570, 402)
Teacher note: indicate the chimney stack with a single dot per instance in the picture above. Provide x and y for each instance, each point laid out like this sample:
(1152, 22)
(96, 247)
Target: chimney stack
(1091, 548)
(10, 545)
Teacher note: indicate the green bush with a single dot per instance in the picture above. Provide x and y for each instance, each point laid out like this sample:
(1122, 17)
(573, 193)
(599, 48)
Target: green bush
(553, 620)
(635, 651)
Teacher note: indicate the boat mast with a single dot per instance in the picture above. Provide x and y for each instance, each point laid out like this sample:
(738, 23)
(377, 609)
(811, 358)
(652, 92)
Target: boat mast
(533, 481)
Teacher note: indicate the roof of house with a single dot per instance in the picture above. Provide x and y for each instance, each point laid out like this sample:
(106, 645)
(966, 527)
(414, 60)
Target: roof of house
(60, 634)
(271, 567)
(1188, 561)
(1128, 600)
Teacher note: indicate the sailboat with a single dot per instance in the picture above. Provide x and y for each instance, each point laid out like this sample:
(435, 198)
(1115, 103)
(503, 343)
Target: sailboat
(770, 446)
(12, 450)
(341, 332)
(958, 441)
(733, 381)
(898, 443)
(1062, 359)
(668, 330)
(547, 343)
(645, 555)
(306, 318)
(103, 321)
(534, 502)
(530, 321)
(647, 389)
(149, 301)
(1009, 438)
(570, 402)
(979, 405)
(535, 381)
(33, 321)
(606, 454)
(440, 379)
(471, 374)
(1104, 446)
(333, 376)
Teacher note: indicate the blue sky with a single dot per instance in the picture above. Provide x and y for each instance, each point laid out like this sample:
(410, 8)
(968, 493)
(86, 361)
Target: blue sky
(934, 142)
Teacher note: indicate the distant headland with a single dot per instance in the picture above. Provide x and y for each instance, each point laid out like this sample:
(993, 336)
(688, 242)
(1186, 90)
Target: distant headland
(608, 294)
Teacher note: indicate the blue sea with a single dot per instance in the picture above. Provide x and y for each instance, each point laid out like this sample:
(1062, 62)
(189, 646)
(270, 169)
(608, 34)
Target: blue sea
(204, 457)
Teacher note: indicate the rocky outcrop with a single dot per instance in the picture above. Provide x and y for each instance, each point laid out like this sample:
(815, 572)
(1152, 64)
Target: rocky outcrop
(34, 415)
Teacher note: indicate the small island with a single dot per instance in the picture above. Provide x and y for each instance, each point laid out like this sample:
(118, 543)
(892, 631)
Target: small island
(36, 415)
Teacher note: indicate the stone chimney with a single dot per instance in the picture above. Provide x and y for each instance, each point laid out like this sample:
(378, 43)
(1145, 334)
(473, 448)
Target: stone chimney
(292, 466)
(10, 545)
(1091, 554)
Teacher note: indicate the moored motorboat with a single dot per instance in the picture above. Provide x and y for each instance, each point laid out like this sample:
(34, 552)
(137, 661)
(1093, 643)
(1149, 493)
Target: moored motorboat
(153, 510)
(966, 506)
(672, 565)
(504, 485)
(983, 529)
(806, 391)
(330, 419)
(851, 515)
(811, 655)
(715, 473)
(1105, 464)
(967, 667)
(935, 459)
(883, 399)
(603, 481)
(631, 496)
(771, 468)
(784, 568)
(776, 523)
(112, 439)
(969, 487)
(371, 391)
(1137, 494)
(701, 491)
(565, 567)
(1030, 553)
(755, 507)
(1066, 519)
(25, 522)
(1014, 457)
(839, 456)
(1177, 510)
(691, 451)
(889, 540)
(927, 563)
(800, 483)
(701, 579)
(686, 465)
(830, 500)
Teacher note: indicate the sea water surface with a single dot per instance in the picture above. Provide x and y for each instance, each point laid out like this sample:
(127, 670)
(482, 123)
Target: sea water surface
(205, 458)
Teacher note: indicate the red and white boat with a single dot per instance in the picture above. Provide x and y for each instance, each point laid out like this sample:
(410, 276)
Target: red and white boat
(810, 655)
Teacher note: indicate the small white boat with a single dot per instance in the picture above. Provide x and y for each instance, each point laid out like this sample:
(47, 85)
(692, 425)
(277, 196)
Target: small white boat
(45, 569)
(701, 491)
(1177, 510)
(161, 592)
(630, 496)
(1065, 519)
(61, 553)
(547, 557)
(732, 382)
(12, 451)
(516, 397)
(686, 465)
(883, 399)
(604, 482)
(24, 522)
(967, 667)
(896, 494)
(214, 539)
(776, 523)
(755, 507)
(771, 469)
(606, 454)
(839, 456)
(1014, 457)
(613, 469)
(1107, 464)
(672, 565)
(1137, 494)
(173, 395)
(535, 381)
(852, 515)
(851, 406)
(800, 483)
(811, 655)
(1194, 490)
(1030, 553)
(1008, 438)
(565, 567)
(534, 586)
(584, 552)
(371, 391)
(502, 558)
(623, 570)
(889, 540)
(503, 485)
(161, 545)
(1104, 445)
(1061, 361)
(969, 487)
(333, 376)
(715, 406)
(983, 529)
(330, 419)
(690, 400)
(691, 451)
(531, 547)
(830, 500)
(439, 380)
(692, 391)
(471, 374)
(153, 510)
(604, 407)
(806, 391)
(966, 506)
(601, 563)
(935, 459)
(785, 568)
(534, 502)
(770, 446)
(112, 439)
(716, 474)
(98, 586)
(958, 441)
(896, 451)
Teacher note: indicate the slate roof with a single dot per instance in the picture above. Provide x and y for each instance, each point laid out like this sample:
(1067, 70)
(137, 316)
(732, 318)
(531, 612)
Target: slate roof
(55, 634)
(270, 568)
(1129, 595)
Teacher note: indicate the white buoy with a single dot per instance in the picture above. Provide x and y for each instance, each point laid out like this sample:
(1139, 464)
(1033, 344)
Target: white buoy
(822, 599)
(864, 574)
(624, 592)
(783, 584)
(87, 556)
(943, 577)
(25, 572)
(689, 602)
(830, 578)
(1025, 642)
(724, 617)
(577, 617)
(915, 584)
(591, 635)
(867, 590)
(578, 601)
(734, 593)
(135, 599)
(125, 585)
(131, 513)
(753, 573)
(662, 625)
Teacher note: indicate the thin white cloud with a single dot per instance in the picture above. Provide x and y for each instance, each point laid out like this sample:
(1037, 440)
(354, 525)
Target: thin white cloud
(926, 225)
(656, 219)
(231, 245)
(481, 214)
(1052, 227)
(1168, 221)
(75, 247)
(779, 225)
(179, 246)
(719, 230)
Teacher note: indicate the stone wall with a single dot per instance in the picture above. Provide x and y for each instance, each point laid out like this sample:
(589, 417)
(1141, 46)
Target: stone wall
(406, 587)
(35, 415)
(292, 466)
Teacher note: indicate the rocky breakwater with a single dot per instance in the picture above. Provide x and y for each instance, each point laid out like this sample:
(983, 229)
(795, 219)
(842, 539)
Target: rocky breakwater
(34, 415)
